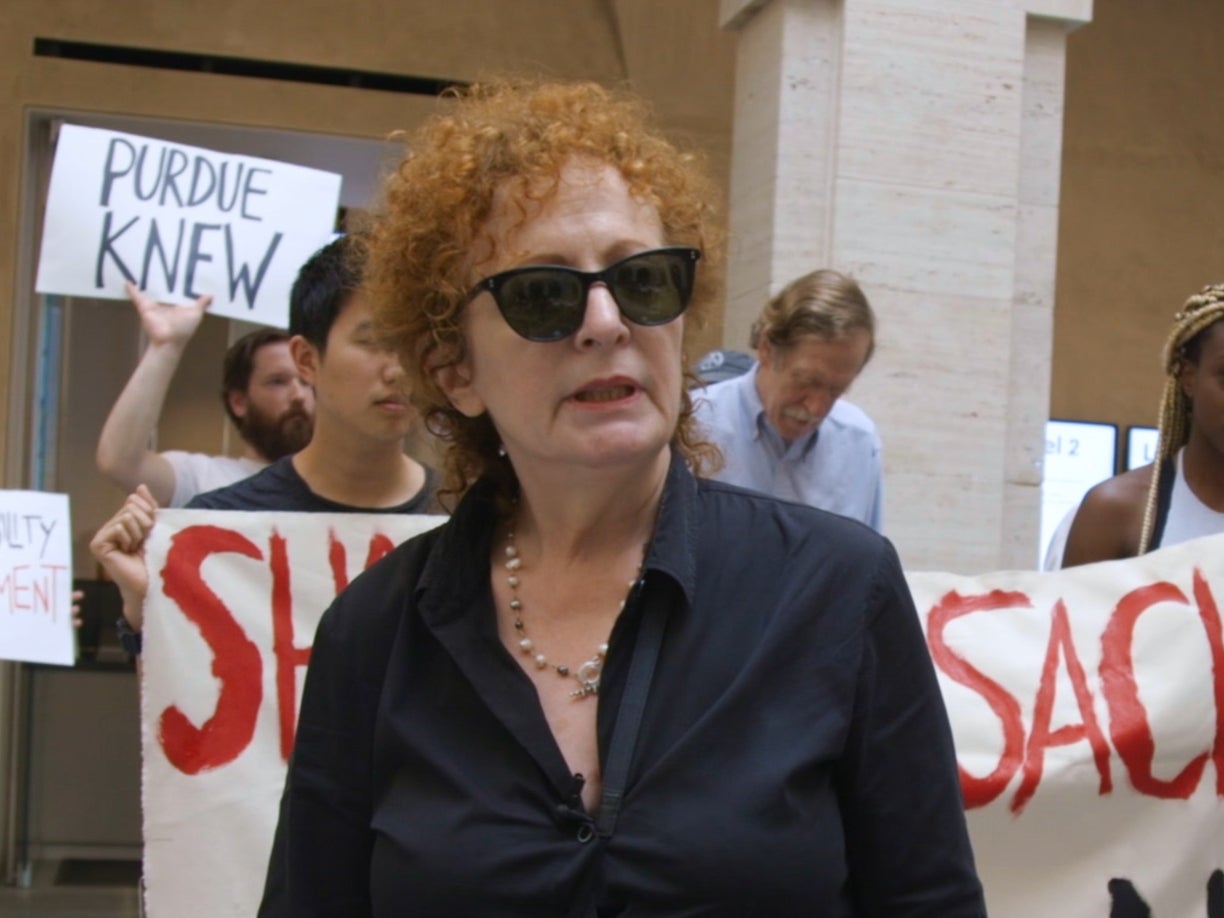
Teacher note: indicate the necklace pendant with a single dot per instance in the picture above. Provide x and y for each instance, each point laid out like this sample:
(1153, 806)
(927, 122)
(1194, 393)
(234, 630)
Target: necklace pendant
(587, 689)
(587, 674)
(588, 678)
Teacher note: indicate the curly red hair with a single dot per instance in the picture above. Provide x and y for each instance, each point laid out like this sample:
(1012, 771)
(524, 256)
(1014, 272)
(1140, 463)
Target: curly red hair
(421, 243)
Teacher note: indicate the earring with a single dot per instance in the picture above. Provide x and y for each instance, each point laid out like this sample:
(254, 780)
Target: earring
(501, 451)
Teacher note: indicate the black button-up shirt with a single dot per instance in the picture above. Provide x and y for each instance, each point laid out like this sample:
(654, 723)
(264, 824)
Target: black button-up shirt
(794, 757)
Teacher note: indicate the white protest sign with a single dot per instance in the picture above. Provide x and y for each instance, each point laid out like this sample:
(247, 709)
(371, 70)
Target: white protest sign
(36, 578)
(180, 221)
(234, 599)
(1088, 710)
(1087, 707)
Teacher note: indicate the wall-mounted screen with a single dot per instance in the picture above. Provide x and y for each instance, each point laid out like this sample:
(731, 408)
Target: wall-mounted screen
(1078, 454)
(1140, 446)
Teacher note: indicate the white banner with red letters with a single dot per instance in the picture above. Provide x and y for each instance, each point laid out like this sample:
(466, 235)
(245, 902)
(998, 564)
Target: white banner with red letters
(233, 602)
(1087, 707)
(1088, 711)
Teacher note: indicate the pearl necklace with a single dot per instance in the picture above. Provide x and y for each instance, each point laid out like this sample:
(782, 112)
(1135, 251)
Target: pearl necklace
(589, 671)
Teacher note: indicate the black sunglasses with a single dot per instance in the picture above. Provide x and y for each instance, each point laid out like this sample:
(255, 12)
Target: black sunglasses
(548, 302)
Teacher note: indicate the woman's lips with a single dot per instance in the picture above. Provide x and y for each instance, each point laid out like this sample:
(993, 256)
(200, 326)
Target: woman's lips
(612, 393)
(607, 390)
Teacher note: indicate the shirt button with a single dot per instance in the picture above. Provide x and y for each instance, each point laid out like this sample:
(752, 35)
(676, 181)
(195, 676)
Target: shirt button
(585, 832)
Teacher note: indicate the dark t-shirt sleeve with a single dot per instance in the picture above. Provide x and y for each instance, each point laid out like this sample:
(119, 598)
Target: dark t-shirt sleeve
(908, 852)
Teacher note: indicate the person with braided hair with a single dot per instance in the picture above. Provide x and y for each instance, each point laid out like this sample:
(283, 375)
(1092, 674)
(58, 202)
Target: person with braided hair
(1180, 496)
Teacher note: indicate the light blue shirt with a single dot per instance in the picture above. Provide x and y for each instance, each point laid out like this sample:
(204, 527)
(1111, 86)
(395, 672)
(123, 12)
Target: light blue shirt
(837, 467)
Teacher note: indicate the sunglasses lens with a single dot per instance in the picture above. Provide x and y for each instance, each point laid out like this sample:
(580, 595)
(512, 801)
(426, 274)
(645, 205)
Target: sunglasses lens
(548, 303)
(652, 288)
(544, 305)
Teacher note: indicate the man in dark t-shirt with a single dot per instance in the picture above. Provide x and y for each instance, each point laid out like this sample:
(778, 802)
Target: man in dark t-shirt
(280, 487)
(355, 460)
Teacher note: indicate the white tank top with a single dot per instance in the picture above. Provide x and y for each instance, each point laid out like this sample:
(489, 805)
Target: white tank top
(1189, 518)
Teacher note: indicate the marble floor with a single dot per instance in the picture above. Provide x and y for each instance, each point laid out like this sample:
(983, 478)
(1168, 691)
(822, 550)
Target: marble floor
(74, 889)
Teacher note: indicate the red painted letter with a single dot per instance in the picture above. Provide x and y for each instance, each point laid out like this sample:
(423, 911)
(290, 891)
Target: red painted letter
(379, 546)
(980, 791)
(1041, 736)
(288, 656)
(1128, 724)
(337, 556)
(1209, 612)
(236, 660)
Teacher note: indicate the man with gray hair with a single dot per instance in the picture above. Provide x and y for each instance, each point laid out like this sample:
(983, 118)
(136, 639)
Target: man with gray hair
(783, 426)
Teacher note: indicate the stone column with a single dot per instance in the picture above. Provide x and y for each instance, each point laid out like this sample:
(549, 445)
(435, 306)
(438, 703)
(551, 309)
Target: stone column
(915, 144)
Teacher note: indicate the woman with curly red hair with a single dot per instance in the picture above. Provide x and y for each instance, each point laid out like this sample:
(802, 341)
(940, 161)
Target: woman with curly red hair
(605, 686)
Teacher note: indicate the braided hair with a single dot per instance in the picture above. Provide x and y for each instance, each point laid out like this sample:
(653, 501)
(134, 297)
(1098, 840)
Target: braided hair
(1199, 313)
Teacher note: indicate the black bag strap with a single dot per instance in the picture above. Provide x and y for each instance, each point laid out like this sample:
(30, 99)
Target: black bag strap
(632, 707)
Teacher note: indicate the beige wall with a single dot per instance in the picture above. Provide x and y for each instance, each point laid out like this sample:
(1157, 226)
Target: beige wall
(1142, 223)
(1143, 167)
(915, 145)
(677, 56)
(672, 52)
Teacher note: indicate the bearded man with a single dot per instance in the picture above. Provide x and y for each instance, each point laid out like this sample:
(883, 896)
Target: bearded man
(262, 392)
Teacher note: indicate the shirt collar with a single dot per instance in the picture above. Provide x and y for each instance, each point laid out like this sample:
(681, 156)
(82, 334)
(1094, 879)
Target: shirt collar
(456, 575)
(673, 549)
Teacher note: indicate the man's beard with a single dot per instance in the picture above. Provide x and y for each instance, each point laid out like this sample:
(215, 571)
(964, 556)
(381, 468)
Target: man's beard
(277, 437)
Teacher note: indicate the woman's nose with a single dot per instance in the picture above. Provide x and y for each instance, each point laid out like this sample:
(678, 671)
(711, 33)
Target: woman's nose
(602, 323)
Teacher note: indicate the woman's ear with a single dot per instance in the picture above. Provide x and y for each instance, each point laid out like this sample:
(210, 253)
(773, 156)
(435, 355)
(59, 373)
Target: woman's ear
(456, 382)
(305, 358)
